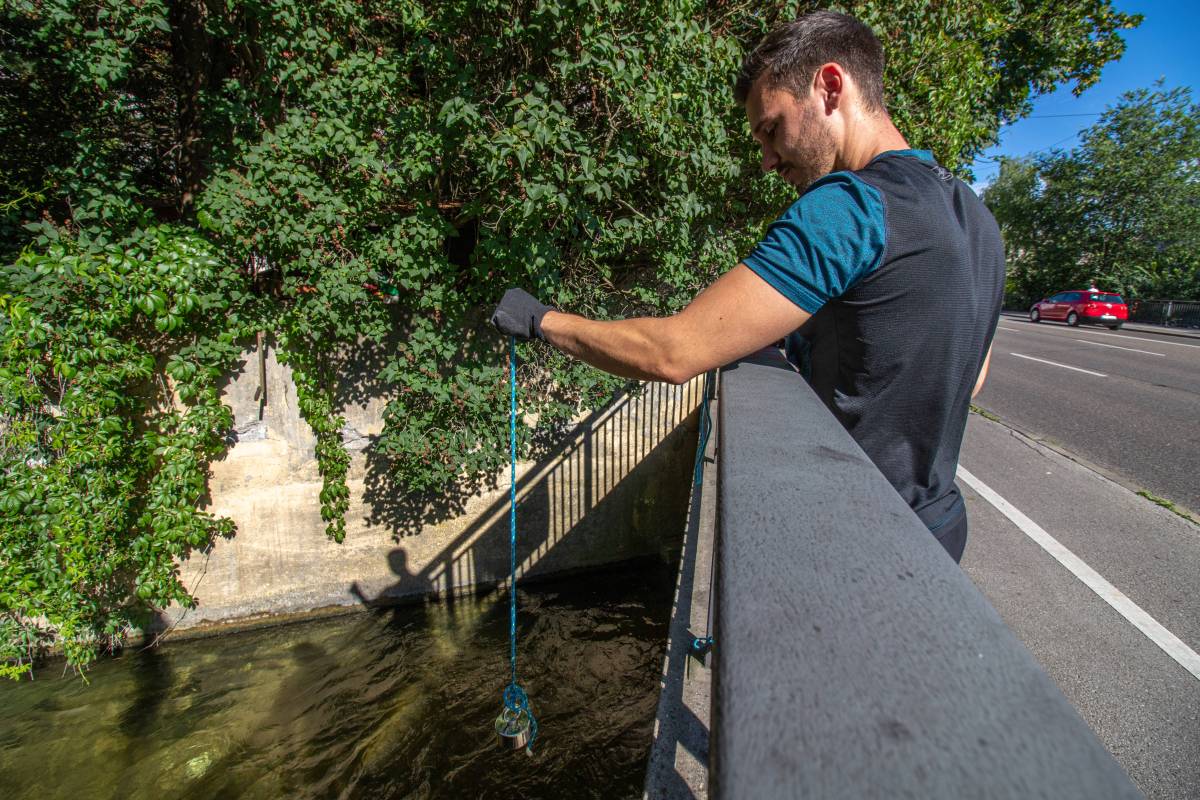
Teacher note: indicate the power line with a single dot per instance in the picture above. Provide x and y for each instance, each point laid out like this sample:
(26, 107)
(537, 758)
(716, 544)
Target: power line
(1052, 116)
(999, 158)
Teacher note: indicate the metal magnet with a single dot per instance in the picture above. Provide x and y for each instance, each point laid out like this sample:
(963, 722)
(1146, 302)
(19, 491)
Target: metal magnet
(513, 728)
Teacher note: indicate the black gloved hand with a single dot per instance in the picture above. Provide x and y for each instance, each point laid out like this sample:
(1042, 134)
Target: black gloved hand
(520, 314)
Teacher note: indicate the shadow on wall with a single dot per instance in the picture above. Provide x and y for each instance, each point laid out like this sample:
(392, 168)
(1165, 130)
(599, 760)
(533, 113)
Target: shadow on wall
(364, 397)
(612, 487)
(358, 369)
(615, 488)
(407, 513)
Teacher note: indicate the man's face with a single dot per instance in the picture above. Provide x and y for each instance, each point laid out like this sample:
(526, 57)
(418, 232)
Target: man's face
(795, 138)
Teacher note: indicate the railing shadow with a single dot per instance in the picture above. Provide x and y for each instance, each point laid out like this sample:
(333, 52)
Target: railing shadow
(607, 488)
(602, 494)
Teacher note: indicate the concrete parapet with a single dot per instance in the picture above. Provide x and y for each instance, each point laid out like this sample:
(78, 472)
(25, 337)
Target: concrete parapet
(854, 658)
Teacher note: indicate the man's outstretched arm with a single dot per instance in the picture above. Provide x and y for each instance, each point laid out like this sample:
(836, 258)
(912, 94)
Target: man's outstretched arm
(739, 314)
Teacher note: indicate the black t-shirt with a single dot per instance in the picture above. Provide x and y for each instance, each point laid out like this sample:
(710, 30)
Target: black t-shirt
(902, 267)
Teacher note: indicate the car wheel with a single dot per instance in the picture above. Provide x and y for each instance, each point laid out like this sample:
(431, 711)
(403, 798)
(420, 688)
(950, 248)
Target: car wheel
(1116, 327)
(1034, 316)
(1072, 319)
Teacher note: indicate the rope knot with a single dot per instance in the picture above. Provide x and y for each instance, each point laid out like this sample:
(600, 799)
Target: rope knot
(516, 706)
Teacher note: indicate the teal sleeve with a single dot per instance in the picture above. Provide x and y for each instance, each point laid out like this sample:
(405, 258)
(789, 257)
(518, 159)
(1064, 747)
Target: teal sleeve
(824, 243)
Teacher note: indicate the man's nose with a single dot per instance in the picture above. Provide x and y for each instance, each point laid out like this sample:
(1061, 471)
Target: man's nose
(770, 160)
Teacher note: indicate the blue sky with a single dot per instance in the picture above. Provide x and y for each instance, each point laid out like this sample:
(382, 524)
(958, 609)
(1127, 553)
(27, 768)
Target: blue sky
(1166, 45)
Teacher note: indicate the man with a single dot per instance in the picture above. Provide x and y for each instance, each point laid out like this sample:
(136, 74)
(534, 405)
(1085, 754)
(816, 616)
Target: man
(891, 270)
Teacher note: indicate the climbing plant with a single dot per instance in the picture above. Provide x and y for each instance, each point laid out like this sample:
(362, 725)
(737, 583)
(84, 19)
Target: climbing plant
(178, 177)
(109, 367)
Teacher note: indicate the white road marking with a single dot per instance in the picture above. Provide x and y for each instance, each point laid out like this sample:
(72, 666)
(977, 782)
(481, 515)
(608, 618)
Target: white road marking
(1135, 338)
(1082, 329)
(1056, 364)
(1118, 347)
(1171, 644)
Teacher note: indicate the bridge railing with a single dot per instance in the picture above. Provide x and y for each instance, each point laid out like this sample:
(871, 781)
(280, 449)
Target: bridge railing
(1171, 313)
(853, 658)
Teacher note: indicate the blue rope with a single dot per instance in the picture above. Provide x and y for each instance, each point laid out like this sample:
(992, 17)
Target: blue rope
(515, 699)
(702, 644)
(705, 427)
(512, 504)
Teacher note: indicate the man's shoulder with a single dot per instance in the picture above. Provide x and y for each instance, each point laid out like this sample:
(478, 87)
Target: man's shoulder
(911, 180)
(842, 192)
(913, 168)
(904, 166)
(834, 183)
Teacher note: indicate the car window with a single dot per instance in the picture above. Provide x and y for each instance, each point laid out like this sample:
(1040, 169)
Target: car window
(1058, 298)
(1072, 297)
(1105, 298)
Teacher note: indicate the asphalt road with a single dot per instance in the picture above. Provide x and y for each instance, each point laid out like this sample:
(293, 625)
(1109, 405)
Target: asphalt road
(1126, 401)
(1099, 583)
(1142, 702)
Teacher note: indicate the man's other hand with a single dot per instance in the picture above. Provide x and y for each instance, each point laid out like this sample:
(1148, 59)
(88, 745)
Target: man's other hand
(520, 314)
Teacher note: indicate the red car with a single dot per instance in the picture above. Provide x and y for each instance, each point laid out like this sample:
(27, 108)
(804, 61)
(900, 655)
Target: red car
(1082, 305)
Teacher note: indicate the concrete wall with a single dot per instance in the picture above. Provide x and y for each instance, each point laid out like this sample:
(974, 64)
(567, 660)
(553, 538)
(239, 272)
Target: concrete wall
(678, 765)
(615, 487)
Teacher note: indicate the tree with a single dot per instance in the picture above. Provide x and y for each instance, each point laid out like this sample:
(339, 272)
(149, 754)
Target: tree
(179, 176)
(1122, 209)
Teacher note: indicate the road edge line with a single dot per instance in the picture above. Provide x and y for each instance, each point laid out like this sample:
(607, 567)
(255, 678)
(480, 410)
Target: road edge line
(1151, 628)
(1036, 440)
(1057, 364)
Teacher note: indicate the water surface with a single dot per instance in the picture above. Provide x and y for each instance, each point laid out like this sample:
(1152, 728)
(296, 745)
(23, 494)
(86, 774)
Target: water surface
(387, 704)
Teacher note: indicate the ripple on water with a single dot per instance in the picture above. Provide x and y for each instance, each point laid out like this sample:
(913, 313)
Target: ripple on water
(397, 703)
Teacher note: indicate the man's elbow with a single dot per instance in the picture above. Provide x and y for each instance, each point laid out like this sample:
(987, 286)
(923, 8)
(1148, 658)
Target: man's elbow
(674, 370)
(983, 373)
(672, 356)
(677, 376)
(979, 381)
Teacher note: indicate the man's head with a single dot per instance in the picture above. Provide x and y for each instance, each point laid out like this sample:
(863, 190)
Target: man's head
(808, 88)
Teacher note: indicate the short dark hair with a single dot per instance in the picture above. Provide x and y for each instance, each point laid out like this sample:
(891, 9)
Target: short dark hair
(792, 53)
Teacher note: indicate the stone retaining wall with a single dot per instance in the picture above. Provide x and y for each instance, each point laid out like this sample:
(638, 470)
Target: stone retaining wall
(614, 488)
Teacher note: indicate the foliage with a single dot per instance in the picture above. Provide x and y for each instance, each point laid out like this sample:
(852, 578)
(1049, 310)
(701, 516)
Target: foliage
(1120, 210)
(956, 70)
(384, 170)
(103, 469)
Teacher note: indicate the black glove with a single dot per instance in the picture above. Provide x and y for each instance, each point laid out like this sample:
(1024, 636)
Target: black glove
(520, 314)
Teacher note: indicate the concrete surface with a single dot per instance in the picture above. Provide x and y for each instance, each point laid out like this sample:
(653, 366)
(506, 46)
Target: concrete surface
(678, 765)
(1138, 419)
(854, 658)
(615, 487)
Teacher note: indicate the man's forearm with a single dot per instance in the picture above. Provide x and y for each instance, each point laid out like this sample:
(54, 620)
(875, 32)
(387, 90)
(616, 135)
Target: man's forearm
(714, 329)
(632, 348)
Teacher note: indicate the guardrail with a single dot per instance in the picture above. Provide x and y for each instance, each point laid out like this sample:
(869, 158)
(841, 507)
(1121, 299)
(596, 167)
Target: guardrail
(1171, 313)
(853, 657)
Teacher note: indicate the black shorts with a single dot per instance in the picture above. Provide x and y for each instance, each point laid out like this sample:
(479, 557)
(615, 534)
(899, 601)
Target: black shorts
(953, 535)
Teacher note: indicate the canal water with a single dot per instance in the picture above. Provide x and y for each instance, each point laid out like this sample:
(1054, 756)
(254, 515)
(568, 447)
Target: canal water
(398, 703)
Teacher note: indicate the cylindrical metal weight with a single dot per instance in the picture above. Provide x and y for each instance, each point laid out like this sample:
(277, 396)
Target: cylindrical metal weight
(513, 728)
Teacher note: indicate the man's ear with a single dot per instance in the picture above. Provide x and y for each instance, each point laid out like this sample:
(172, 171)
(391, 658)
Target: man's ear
(830, 84)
